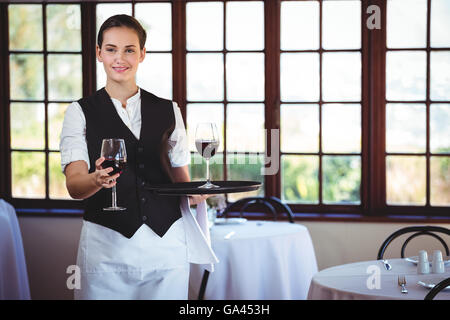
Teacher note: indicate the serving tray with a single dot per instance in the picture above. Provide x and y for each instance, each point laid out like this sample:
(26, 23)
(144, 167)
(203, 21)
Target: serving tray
(191, 188)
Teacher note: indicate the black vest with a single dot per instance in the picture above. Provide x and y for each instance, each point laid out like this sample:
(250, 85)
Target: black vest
(147, 162)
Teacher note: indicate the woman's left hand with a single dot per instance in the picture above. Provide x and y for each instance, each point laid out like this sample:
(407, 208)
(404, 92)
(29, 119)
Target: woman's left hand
(196, 199)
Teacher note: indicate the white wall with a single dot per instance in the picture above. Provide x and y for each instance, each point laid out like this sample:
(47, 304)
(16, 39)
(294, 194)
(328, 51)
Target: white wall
(51, 244)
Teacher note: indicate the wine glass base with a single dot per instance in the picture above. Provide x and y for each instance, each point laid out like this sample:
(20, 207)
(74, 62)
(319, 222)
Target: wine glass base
(208, 185)
(114, 209)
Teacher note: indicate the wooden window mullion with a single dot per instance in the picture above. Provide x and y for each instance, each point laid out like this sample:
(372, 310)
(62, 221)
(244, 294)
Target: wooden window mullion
(272, 12)
(5, 156)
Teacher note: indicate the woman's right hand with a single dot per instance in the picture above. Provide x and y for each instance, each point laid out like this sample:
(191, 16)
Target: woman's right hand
(102, 177)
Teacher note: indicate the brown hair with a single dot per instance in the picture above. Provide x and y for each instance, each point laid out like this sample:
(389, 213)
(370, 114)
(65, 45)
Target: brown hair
(123, 20)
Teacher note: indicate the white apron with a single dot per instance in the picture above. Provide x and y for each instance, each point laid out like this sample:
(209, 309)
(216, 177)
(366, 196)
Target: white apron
(144, 266)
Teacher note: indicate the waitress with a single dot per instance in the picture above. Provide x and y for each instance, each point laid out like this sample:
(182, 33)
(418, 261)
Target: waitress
(143, 252)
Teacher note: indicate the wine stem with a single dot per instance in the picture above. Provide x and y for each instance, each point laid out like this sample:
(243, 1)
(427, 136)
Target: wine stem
(207, 170)
(114, 197)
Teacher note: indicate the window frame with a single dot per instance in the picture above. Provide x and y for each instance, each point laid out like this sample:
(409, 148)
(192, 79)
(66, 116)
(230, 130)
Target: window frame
(373, 104)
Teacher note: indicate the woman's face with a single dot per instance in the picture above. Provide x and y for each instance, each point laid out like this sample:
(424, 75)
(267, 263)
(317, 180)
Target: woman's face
(120, 54)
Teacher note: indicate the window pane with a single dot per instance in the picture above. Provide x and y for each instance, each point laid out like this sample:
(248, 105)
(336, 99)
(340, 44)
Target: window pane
(245, 167)
(440, 128)
(440, 23)
(405, 127)
(28, 174)
(341, 24)
(342, 76)
(405, 75)
(341, 128)
(202, 112)
(245, 25)
(300, 179)
(204, 76)
(197, 168)
(405, 180)
(156, 19)
(245, 76)
(204, 26)
(56, 113)
(245, 127)
(64, 77)
(106, 10)
(299, 126)
(27, 126)
(406, 24)
(57, 187)
(440, 76)
(299, 25)
(155, 74)
(25, 27)
(63, 28)
(299, 76)
(440, 178)
(26, 76)
(341, 179)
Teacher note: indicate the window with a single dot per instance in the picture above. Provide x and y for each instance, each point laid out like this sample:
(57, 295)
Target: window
(418, 103)
(321, 102)
(357, 118)
(45, 75)
(225, 84)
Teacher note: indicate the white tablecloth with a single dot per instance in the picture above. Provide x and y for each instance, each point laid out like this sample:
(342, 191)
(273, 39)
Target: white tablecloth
(350, 281)
(13, 270)
(262, 260)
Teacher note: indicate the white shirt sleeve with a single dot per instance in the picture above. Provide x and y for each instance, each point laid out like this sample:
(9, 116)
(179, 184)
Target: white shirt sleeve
(179, 153)
(73, 144)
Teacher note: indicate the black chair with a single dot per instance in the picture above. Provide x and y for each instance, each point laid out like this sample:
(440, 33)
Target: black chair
(419, 230)
(437, 288)
(272, 203)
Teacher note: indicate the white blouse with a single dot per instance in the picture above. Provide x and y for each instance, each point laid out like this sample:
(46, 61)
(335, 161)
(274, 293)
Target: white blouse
(73, 144)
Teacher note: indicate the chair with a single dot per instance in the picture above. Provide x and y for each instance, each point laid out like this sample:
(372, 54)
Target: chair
(419, 230)
(437, 288)
(272, 203)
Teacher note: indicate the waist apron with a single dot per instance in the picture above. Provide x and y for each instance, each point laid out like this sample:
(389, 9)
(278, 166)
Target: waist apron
(145, 266)
(142, 267)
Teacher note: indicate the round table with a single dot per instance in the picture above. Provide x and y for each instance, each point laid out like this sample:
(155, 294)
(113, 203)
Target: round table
(260, 260)
(359, 281)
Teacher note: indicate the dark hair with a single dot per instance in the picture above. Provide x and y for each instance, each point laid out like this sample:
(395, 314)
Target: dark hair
(123, 20)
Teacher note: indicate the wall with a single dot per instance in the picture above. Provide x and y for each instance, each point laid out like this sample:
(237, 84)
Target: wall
(51, 244)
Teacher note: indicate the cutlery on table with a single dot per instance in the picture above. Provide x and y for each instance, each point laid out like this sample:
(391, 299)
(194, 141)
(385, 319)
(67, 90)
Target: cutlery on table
(402, 283)
(386, 265)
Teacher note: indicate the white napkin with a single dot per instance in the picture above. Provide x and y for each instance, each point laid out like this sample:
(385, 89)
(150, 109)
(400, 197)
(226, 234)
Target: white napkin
(198, 238)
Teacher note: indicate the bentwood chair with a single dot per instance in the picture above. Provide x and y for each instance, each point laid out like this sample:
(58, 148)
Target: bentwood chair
(419, 230)
(437, 288)
(273, 204)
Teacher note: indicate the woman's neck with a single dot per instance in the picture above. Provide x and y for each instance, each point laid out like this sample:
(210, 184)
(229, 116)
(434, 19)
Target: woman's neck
(121, 92)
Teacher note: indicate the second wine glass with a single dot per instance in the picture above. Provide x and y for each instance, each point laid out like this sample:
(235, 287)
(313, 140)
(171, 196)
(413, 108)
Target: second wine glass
(207, 142)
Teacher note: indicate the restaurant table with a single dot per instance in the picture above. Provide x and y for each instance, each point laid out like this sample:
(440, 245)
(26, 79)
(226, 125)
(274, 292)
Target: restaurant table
(13, 272)
(261, 260)
(351, 281)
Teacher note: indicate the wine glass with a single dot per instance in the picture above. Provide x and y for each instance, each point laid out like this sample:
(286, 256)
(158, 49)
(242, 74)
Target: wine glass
(115, 157)
(207, 143)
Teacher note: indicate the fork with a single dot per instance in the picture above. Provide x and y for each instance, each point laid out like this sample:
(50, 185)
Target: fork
(402, 283)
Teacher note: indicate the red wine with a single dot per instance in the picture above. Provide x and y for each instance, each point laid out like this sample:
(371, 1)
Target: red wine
(207, 148)
(117, 165)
